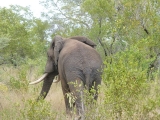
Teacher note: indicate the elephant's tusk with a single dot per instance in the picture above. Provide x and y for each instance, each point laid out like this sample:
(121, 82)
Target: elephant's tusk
(39, 80)
(56, 80)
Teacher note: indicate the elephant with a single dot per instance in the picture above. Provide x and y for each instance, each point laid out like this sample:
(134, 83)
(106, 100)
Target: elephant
(74, 60)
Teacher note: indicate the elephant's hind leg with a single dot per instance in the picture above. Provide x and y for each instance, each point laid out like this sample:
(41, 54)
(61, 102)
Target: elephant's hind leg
(76, 88)
(66, 91)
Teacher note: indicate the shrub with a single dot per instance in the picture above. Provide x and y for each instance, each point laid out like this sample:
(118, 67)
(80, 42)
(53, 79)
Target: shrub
(29, 110)
(125, 80)
(34, 110)
(20, 81)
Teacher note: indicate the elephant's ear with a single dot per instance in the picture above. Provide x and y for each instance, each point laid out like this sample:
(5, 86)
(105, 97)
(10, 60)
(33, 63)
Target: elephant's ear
(57, 46)
(84, 40)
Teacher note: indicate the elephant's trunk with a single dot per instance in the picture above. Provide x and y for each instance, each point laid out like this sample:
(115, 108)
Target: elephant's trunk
(48, 80)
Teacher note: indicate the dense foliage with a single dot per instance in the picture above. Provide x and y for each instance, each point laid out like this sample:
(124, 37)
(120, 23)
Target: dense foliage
(127, 36)
(21, 35)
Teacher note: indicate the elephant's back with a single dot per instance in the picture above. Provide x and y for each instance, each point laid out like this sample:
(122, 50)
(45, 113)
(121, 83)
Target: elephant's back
(77, 55)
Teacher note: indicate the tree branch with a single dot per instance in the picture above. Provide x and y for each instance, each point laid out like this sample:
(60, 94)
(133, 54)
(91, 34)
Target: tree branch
(68, 17)
(99, 38)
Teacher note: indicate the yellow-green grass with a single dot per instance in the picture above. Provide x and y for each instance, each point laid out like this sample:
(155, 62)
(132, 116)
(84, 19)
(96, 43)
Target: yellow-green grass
(20, 104)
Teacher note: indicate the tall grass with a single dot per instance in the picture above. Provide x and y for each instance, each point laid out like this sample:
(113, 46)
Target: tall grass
(123, 100)
(18, 98)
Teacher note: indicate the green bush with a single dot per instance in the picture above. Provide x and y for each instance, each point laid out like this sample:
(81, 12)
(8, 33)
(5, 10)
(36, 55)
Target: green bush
(125, 80)
(29, 110)
(34, 110)
(23, 73)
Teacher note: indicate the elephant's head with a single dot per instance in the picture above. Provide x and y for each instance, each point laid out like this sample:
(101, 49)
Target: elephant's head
(51, 68)
(53, 54)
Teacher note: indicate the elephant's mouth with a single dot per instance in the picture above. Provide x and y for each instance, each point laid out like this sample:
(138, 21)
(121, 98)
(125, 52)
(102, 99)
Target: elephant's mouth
(42, 78)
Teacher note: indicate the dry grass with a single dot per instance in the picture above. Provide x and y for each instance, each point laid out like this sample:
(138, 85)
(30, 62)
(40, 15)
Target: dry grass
(55, 97)
(14, 103)
(11, 99)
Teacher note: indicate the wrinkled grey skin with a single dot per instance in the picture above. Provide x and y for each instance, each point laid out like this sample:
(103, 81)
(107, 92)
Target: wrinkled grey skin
(78, 62)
